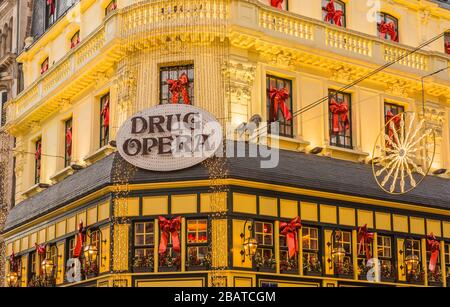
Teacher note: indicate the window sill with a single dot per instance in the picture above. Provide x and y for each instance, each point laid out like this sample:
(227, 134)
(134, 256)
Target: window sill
(99, 154)
(287, 143)
(59, 176)
(33, 190)
(345, 153)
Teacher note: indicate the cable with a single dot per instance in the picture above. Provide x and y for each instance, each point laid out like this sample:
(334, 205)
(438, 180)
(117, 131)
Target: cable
(373, 72)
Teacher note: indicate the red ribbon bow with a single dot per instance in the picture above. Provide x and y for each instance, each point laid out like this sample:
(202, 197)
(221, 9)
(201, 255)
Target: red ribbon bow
(396, 120)
(40, 248)
(388, 28)
(290, 231)
(179, 86)
(105, 114)
(69, 141)
(333, 14)
(277, 3)
(339, 110)
(169, 227)
(79, 241)
(44, 68)
(278, 98)
(364, 238)
(447, 47)
(13, 263)
(433, 246)
(51, 3)
(75, 43)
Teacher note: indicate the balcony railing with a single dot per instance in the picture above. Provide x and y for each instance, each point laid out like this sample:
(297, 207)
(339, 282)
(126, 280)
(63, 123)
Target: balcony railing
(141, 21)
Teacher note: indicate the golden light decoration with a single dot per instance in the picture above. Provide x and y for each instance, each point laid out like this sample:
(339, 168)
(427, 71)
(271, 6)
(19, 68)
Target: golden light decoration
(403, 153)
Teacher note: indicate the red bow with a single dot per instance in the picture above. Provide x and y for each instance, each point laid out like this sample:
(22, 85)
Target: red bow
(51, 3)
(179, 86)
(69, 141)
(395, 120)
(388, 28)
(40, 249)
(44, 68)
(73, 44)
(169, 227)
(364, 238)
(37, 156)
(433, 246)
(447, 47)
(277, 3)
(105, 114)
(79, 242)
(13, 263)
(290, 231)
(278, 98)
(333, 14)
(342, 111)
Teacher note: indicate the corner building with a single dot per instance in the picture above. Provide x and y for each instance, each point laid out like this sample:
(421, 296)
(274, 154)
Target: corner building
(90, 65)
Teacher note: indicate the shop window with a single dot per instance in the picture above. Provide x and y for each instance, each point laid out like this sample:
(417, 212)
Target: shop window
(279, 4)
(434, 278)
(387, 27)
(67, 142)
(75, 40)
(144, 246)
(264, 259)
(104, 120)
(279, 105)
(37, 161)
(267, 284)
(340, 119)
(32, 273)
(333, 11)
(50, 12)
(413, 260)
(112, 6)
(387, 269)
(311, 255)
(341, 251)
(287, 264)
(177, 84)
(44, 66)
(197, 245)
(71, 246)
(91, 266)
(363, 267)
(170, 260)
(447, 262)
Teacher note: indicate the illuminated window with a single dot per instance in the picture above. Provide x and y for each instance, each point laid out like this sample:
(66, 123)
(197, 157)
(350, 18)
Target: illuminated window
(311, 256)
(111, 7)
(54, 256)
(44, 66)
(447, 262)
(67, 142)
(33, 263)
(413, 252)
(436, 276)
(387, 27)
(340, 119)
(71, 247)
(104, 120)
(75, 40)
(264, 257)
(37, 161)
(343, 265)
(333, 12)
(279, 105)
(177, 84)
(197, 244)
(144, 242)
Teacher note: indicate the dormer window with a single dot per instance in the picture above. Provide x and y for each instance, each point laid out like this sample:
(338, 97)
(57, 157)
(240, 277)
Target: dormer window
(387, 27)
(44, 66)
(75, 40)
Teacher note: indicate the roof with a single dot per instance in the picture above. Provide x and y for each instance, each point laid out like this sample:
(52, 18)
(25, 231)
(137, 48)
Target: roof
(294, 169)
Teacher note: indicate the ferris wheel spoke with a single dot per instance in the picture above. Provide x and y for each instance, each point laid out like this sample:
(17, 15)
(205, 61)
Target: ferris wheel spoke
(381, 171)
(412, 181)
(386, 178)
(394, 180)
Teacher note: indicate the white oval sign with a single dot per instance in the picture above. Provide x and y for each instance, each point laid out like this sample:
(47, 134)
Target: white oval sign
(169, 137)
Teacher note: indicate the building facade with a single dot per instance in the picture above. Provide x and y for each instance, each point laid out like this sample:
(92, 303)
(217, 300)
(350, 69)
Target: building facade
(13, 20)
(85, 217)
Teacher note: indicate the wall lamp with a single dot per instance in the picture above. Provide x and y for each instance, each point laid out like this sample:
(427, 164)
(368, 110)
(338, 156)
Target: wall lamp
(92, 252)
(249, 244)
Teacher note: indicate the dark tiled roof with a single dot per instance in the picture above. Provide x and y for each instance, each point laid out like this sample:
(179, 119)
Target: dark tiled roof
(294, 169)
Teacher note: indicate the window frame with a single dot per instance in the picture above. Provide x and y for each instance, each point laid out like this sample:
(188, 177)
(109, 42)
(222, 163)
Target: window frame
(310, 251)
(174, 72)
(111, 7)
(332, 93)
(104, 132)
(286, 128)
(197, 245)
(383, 16)
(45, 65)
(148, 249)
(37, 162)
(343, 8)
(264, 247)
(68, 124)
(76, 36)
(50, 19)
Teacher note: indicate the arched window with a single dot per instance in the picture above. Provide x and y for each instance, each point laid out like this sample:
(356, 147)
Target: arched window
(387, 27)
(333, 11)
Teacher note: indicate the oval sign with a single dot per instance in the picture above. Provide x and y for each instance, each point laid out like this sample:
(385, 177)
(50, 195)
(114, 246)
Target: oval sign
(169, 137)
